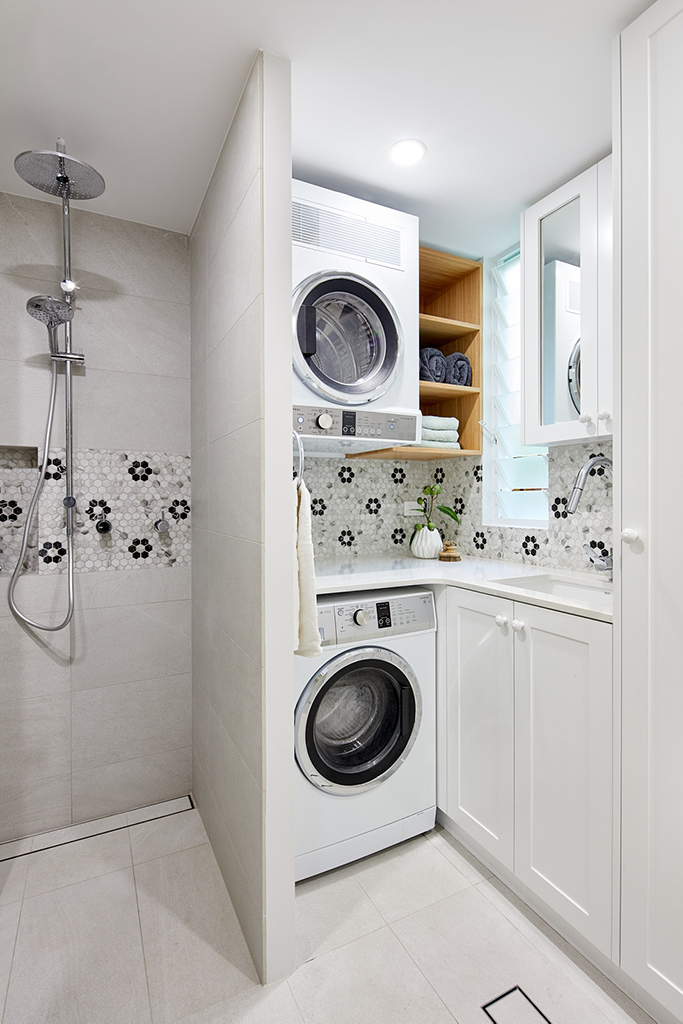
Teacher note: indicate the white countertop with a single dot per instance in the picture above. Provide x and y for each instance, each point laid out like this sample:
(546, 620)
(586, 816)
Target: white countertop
(485, 575)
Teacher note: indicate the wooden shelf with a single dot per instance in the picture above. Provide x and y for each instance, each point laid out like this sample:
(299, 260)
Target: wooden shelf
(431, 392)
(408, 454)
(436, 330)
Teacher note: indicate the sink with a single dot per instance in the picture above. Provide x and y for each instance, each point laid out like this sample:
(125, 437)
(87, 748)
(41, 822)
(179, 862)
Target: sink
(593, 595)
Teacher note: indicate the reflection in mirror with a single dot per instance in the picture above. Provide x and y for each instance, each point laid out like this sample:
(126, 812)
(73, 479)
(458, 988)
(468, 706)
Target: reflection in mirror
(561, 314)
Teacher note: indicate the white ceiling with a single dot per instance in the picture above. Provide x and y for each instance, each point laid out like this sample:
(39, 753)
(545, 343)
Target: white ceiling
(512, 97)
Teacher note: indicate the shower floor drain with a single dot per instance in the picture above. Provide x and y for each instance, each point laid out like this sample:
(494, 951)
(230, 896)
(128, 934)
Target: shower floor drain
(514, 1007)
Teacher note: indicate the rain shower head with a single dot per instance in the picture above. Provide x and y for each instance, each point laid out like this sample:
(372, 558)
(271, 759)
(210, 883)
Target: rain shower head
(50, 311)
(54, 172)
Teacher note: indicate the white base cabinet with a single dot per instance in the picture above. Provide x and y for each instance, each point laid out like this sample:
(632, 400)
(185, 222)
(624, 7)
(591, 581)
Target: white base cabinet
(528, 766)
(564, 766)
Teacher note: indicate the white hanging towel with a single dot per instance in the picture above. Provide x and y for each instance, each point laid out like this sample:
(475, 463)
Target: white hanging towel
(307, 641)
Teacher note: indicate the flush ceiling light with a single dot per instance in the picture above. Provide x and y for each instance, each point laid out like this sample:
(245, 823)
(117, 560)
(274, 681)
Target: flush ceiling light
(407, 152)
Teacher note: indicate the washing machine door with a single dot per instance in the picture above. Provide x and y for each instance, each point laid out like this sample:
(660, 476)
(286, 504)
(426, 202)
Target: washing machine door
(348, 343)
(357, 720)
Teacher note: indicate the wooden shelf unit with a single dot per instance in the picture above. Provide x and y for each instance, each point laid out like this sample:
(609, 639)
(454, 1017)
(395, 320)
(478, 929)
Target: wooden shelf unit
(451, 297)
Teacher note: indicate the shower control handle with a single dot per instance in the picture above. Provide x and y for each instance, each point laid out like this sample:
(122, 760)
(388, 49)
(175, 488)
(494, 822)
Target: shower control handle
(103, 525)
(161, 525)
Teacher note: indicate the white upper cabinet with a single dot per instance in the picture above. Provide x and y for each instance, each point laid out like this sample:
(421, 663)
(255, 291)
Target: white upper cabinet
(651, 162)
(567, 312)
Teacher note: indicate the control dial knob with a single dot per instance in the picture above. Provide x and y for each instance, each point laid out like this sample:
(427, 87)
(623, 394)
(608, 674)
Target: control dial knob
(361, 618)
(324, 421)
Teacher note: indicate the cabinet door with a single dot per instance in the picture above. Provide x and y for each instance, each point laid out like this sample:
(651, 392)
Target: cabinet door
(564, 771)
(560, 314)
(652, 495)
(479, 733)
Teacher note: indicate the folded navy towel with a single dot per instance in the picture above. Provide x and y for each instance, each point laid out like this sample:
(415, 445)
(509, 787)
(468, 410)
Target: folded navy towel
(458, 370)
(432, 365)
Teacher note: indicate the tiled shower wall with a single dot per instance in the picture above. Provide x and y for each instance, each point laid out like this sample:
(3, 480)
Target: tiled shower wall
(95, 718)
(357, 509)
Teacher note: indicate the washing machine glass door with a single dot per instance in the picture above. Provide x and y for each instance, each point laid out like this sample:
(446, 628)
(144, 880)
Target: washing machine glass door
(357, 720)
(348, 342)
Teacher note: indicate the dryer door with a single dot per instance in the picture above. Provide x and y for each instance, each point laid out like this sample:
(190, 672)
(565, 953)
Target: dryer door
(348, 343)
(357, 720)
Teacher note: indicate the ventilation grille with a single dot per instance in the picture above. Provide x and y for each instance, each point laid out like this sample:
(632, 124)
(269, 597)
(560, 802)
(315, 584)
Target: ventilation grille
(573, 296)
(342, 233)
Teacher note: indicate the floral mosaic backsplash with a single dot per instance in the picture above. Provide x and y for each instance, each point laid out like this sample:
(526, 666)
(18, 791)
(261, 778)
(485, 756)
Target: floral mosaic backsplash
(131, 490)
(358, 509)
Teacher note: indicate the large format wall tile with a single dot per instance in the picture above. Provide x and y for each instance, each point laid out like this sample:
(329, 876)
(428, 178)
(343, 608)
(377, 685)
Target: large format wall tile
(27, 807)
(35, 740)
(235, 274)
(118, 723)
(124, 644)
(235, 484)
(237, 357)
(128, 784)
(33, 664)
(237, 611)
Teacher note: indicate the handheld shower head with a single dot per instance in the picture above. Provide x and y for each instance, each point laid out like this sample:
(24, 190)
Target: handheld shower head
(51, 312)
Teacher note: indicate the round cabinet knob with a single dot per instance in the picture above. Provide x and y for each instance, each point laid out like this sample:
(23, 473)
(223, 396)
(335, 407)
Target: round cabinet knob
(604, 415)
(629, 536)
(324, 421)
(361, 618)
(585, 418)
(518, 626)
(501, 620)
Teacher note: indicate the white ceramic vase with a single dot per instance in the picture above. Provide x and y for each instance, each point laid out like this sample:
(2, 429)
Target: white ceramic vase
(426, 543)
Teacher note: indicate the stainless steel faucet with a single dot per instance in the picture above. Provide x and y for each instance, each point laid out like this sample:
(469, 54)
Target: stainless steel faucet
(602, 562)
(594, 462)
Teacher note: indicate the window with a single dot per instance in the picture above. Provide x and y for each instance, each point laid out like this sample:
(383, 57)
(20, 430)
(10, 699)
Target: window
(515, 476)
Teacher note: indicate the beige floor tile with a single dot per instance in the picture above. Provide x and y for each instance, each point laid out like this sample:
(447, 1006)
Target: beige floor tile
(408, 877)
(163, 836)
(471, 953)
(195, 953)
(75, 862)
(9, 923)
(615, 1005)
(79, 958)
(272, 1005)
(87, 828)
(332, 910)
(466, 863)
(370, 980)
(181, 803)
(13, 878)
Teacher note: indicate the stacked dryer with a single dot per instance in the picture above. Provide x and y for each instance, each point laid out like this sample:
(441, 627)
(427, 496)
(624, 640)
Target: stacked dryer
(355, 323)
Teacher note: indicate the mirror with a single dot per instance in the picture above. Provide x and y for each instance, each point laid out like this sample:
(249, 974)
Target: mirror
(561, 314)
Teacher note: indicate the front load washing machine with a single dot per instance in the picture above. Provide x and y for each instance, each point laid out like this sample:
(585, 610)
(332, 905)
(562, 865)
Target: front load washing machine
(365, 713)
(355, 323)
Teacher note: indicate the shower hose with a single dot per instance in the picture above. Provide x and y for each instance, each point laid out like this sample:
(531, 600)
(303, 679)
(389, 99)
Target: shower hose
(29, 521)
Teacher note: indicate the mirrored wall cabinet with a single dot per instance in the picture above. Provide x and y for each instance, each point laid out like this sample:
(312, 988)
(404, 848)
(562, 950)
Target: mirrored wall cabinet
(567, 312)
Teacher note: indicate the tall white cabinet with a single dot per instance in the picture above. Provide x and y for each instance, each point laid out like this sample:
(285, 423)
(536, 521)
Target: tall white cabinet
(528, 771)
(651, 169)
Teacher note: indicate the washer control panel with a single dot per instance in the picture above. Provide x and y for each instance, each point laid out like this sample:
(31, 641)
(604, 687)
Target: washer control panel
(349, 618)
(328, 421)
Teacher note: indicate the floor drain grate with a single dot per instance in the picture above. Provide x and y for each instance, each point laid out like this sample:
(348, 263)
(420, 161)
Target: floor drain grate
(514, 1007)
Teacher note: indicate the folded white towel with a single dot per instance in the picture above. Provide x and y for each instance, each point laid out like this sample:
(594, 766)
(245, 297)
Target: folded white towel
(441, 422)
(439, 444)
(308, 640)
(440, 435)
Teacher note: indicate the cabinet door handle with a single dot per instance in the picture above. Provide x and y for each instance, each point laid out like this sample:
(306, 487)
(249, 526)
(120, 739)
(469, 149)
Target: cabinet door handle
(629, 536)
(518, 626)
(585, 418)
(501, 620)
(604, 415)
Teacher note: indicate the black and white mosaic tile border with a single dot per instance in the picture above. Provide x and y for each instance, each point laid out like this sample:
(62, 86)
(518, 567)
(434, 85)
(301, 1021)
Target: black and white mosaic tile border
(129, 489)
(358, 510)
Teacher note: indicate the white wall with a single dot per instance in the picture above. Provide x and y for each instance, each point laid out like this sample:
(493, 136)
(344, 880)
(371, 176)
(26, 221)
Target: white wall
(242, 530)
